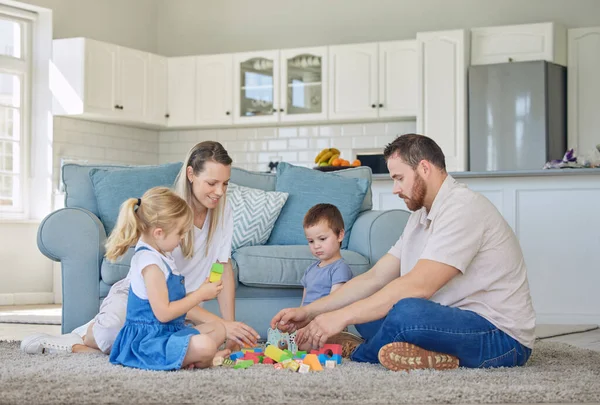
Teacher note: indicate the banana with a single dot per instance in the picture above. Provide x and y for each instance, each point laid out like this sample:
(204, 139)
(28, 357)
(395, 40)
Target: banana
(320, 155)
(331, 159)
(335, 151)
(325, 158)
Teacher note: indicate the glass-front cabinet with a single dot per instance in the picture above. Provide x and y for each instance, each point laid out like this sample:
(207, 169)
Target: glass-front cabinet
(288, 86)
(303, 90)
(256, 87)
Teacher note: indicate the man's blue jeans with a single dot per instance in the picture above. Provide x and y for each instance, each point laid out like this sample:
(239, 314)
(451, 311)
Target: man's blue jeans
(463, 334)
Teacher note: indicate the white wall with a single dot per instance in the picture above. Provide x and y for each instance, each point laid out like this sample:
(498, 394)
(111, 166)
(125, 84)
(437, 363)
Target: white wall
(190, 27)
(130, 23)
(254, 148)
(98, 143)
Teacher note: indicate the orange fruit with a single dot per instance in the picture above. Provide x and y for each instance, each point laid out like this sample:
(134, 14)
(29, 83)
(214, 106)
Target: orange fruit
(336, 162)
(356, 163)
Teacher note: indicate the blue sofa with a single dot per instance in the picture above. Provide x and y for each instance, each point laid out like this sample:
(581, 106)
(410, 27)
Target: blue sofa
(267, 276)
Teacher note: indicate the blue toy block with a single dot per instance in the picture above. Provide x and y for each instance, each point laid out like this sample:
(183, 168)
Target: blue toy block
(236, 355)
(258, 350)
(323, 358)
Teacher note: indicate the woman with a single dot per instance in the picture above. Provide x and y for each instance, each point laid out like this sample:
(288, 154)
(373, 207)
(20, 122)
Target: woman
(202, 182)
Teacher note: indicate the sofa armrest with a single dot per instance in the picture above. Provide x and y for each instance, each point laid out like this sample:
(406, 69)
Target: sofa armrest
(75, 237)
(375, 232)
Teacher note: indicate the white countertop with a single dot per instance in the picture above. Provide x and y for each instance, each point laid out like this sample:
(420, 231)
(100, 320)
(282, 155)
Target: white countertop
(516, 173)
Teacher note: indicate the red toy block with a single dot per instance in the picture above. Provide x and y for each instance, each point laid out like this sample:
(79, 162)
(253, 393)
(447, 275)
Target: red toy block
(317, 352)
(268, 360)
(331, 349)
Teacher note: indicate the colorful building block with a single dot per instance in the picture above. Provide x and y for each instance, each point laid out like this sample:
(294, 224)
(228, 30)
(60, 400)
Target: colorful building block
(330, 364)
(278, 366)
(228, 363)
(236, 355)
(216, 272)
(292, 365)
(243, 364)
(218, 361)
(304, 368)
(313, 361)
(276, 354)
(268, 360)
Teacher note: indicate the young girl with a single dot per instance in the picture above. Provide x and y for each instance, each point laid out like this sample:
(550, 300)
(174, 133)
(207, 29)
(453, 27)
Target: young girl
(154, 336)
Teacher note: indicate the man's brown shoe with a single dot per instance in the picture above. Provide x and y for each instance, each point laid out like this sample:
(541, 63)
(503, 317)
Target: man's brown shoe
(347, 340)
(406, 356)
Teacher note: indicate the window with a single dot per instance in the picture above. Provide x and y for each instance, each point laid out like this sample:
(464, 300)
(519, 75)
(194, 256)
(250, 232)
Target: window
(15, 110)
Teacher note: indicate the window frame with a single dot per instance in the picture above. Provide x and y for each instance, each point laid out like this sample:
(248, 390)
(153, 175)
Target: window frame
(23, 68)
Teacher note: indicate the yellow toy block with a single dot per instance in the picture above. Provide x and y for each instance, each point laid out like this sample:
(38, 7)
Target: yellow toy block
(292, 365)
(313, 361)
(216, 272)
(274, 353)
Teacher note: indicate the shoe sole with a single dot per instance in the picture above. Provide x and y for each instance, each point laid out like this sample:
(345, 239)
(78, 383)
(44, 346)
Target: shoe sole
(403, 356)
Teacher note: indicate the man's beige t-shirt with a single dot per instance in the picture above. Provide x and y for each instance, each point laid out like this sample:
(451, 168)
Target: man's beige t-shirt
(466, 231)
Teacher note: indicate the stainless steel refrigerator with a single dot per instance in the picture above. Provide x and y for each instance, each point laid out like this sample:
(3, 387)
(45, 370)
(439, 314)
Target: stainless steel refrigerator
(517, 115)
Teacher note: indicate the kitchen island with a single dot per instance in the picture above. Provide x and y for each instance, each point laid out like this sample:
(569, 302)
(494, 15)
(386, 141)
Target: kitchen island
(556, 216)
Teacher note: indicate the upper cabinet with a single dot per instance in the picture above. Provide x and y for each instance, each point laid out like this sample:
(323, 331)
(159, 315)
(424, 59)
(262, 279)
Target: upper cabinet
(373, 80)
(99, 80)
(182, 91)
(442, 93)
(256, 84)
(583, 100)
(303, 84)
(519, 43)
(214, 90)
(158, 112)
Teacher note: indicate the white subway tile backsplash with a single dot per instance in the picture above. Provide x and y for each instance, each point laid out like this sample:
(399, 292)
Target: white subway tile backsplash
(353, 129)
(308, 131)
(299, 143)
(246, 133)
(363, 142)
(266, 133)
(318, 143)
(330, 130)
(341, 142)
(278, 145)
(257, 146)
(288, 132)
(401, 127)
(226, 135)
(376, 128)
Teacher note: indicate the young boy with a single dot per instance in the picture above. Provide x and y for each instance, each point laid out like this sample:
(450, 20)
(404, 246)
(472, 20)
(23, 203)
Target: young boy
(324, 230)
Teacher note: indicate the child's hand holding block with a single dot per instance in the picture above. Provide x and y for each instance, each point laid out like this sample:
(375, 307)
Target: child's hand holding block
(216, 272)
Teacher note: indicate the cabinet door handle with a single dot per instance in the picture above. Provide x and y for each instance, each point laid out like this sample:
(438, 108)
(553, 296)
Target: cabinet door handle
(380, 105)
(228, 113)
(274, 110)
(116, 106)
(167, 115)
(281, 110)
(373, 105)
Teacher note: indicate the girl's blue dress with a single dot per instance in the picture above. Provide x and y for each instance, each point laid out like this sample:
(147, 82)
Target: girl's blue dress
(145, 342)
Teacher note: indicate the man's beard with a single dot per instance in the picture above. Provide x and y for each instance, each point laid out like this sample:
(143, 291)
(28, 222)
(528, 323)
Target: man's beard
(418, 194)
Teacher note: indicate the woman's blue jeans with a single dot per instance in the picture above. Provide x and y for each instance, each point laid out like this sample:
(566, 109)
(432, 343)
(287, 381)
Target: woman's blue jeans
(463, 334)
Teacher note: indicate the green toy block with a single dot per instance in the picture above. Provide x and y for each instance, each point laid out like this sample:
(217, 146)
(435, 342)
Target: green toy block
(216, 272)
(300, 353)
(288, 352)
(243, 364)
(260, 359)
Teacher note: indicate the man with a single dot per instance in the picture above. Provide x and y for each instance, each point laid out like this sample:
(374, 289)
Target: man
(452, 291)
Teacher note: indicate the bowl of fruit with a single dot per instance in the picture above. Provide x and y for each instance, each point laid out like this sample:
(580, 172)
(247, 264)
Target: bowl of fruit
(329, 159)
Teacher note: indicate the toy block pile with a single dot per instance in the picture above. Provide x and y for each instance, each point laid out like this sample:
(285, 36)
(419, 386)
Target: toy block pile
(216, 271)
(329, 356)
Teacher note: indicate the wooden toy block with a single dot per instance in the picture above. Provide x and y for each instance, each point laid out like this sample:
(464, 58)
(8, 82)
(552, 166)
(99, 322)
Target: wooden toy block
(285, 361)
(216, 272)
(268, 360)
(243, 364)
(304, 368)
(337, 358)
(317, 352)
(301, 353)
(313, 361)
(330, 364)
(299, 361)
(322, 358)
(288, 352)
(258, 350)
(274, 353)
(228, 363)
(292, 365)
(278, 366)
(218, 361)
(254, 360)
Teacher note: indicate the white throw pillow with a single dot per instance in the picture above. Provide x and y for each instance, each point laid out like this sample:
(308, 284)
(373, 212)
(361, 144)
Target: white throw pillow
(254, 214)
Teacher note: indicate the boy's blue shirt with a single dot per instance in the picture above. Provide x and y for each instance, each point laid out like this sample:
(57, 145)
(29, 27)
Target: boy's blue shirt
(318, 280)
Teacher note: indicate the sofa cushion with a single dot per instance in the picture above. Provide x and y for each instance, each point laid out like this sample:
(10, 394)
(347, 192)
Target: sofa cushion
(307, 187)
(361, 172)
(284, 266)
(111, 272)
(263, 181)
(113, 187)
(254, 214)
(79, 190)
